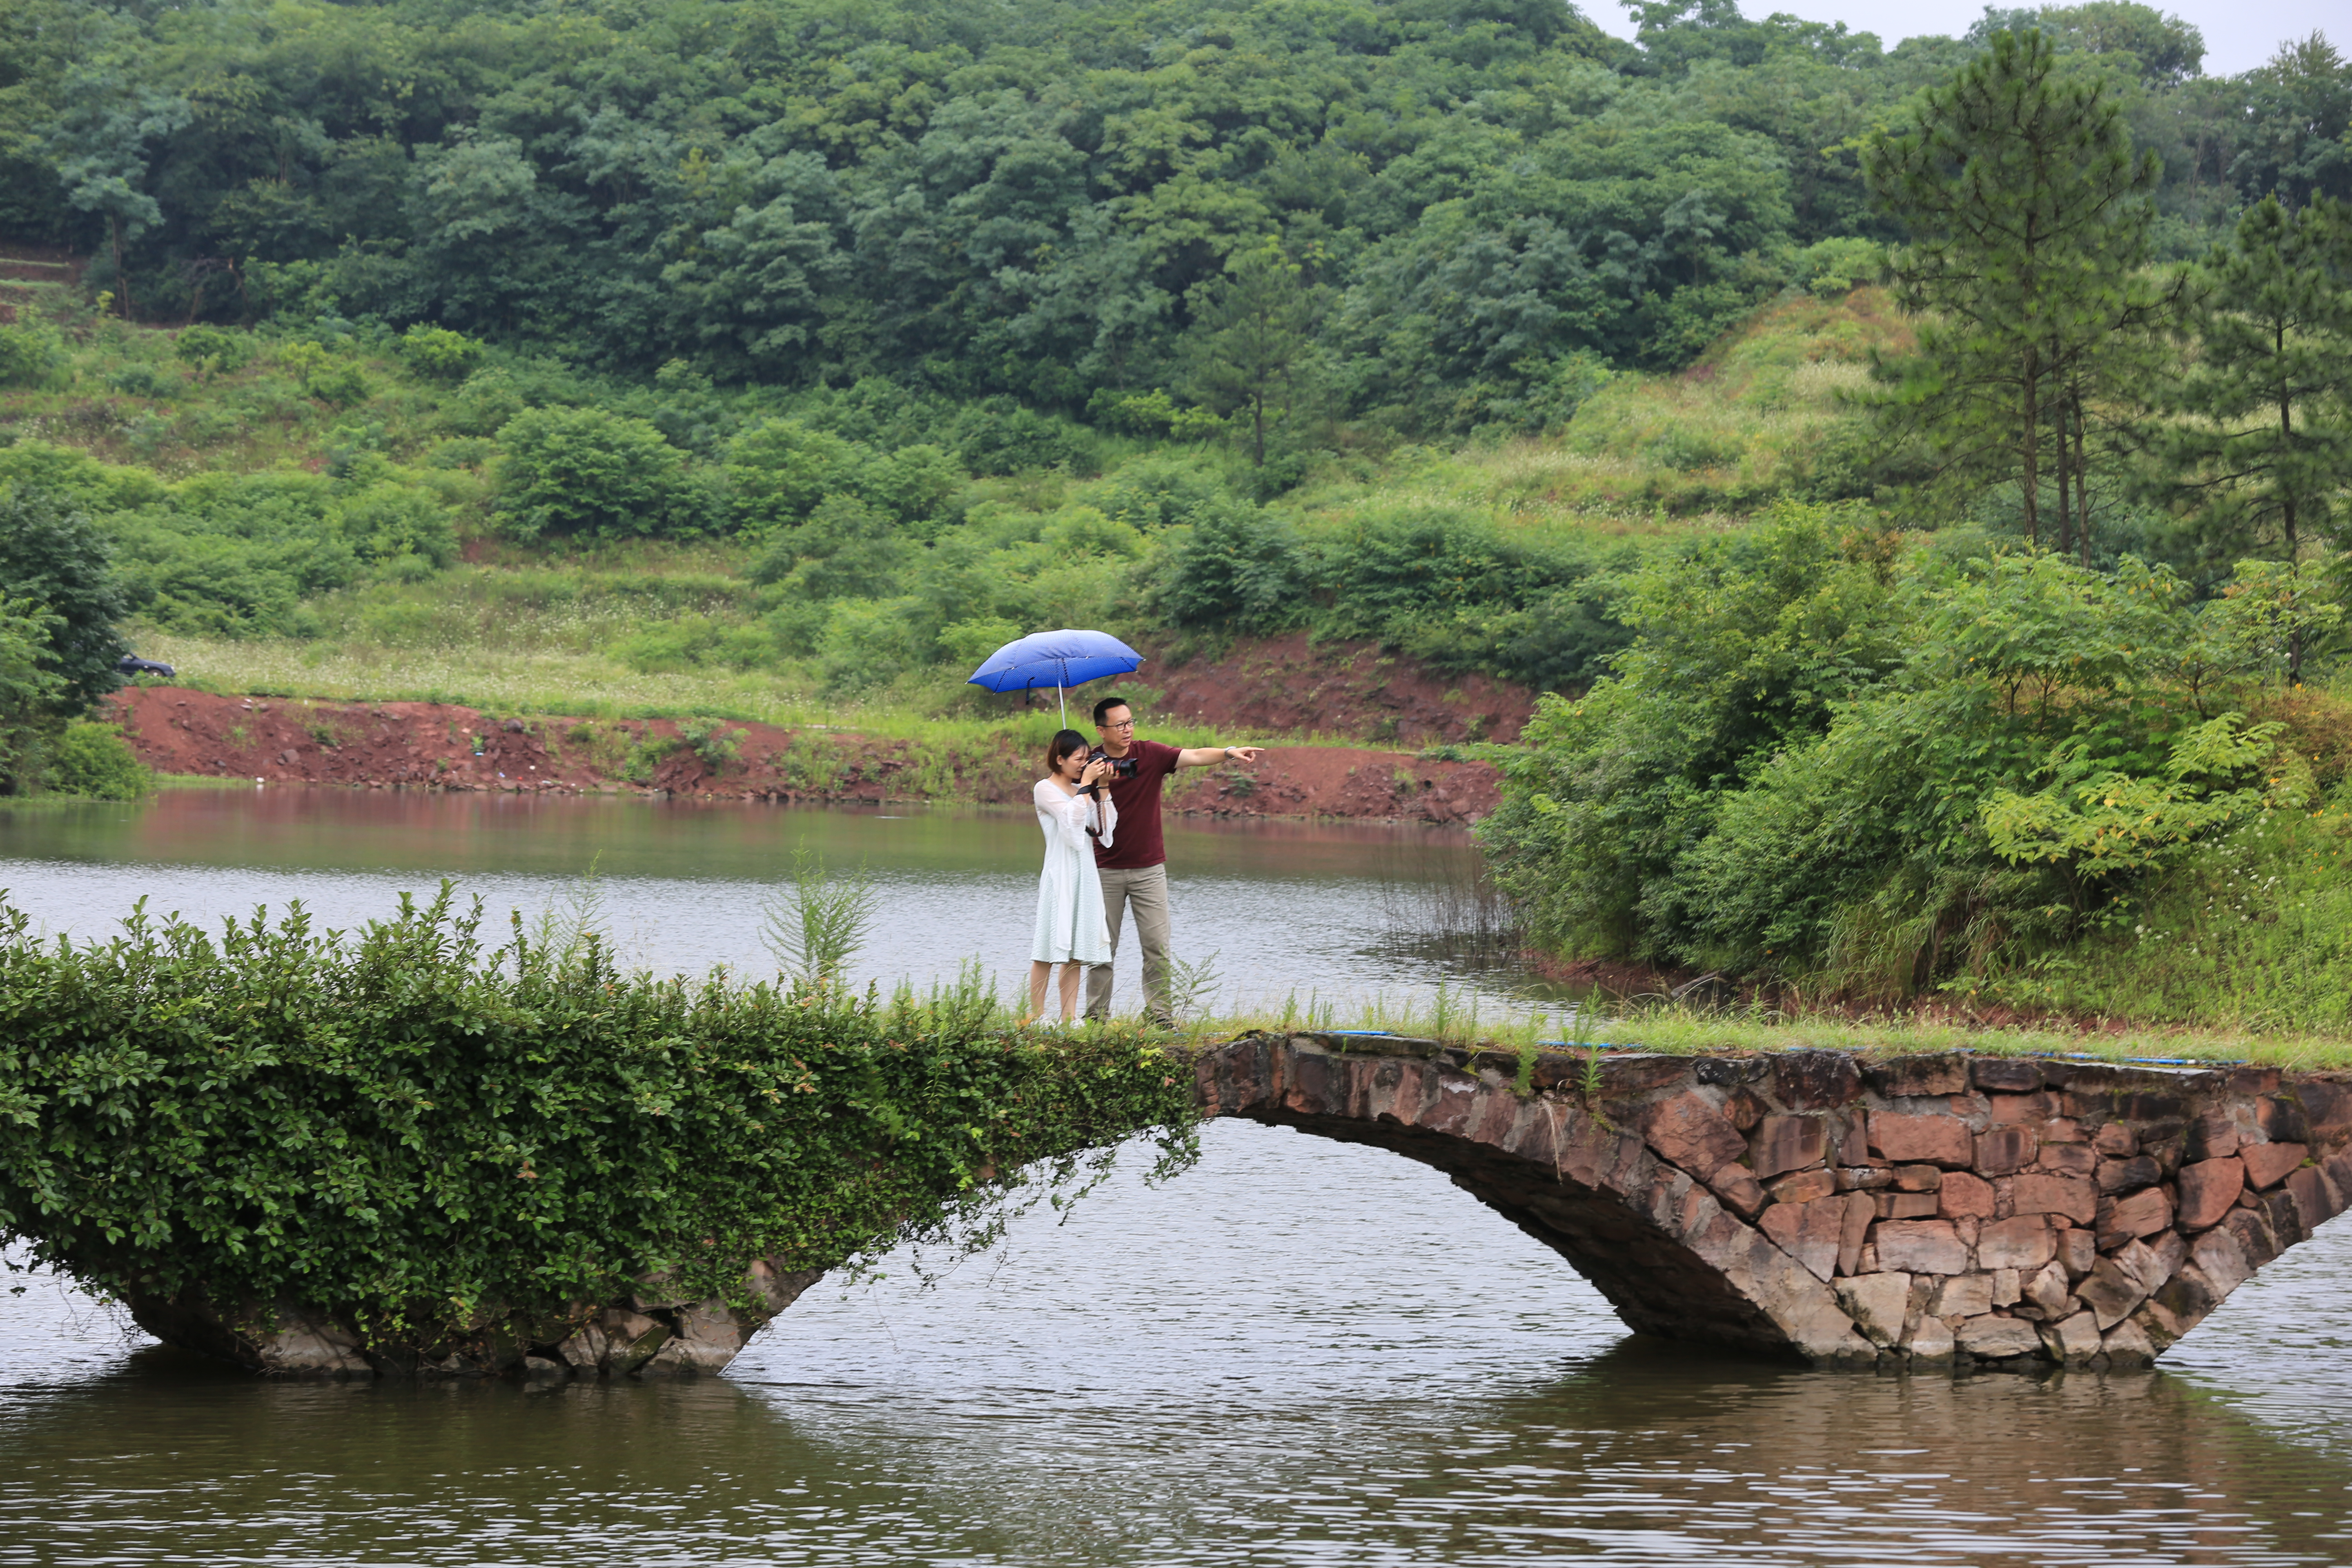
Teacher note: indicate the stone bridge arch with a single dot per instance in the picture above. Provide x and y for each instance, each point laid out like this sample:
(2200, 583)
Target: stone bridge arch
(1841, 1208)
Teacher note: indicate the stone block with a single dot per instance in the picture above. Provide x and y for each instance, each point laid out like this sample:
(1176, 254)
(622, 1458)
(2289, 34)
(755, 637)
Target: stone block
(2213, 1136)
(2116, 1141)
(1917, 1178)
(2282, 1119)
(2181, 1304)
(2008, 1290)
(1929, 1341)
(2110, 1292)
(2077, 1251)
(1816, 1080)
(1739, 1191)
(2268, 1163)
(1921, 1139)
(2067, 1159)
(1786, 1143)
(1803, 1187)
(1809, 1233)
(2003, 1151)
(2314, 1199)
(1919, 1246)
(2048, 1289)
(2116, 1176)
(2171, 1249)
(1860, 1208)
(632, 1339)
(1743, 1110)
(709, 1337)
(2126, 1346)
(1994, 1338)
(2328, 1109)
(2022, 1109)
(1961, 1296)
(2063, 1130)
(1961, 1196)
(1686, 1130)
(2006, 1075)
(2073, 1197)
(2278, 1212)
(1877, 1304)
(1900, 1077)
(1864, 1178)
(1906, 1206)
(2147, 1267)
(2208, 1188)
(586, 1349)
(2072, 1341)
(2143, 1214)
(539, 1369)
(2025, 1242)
(2218, 1256)
(2253, 1234)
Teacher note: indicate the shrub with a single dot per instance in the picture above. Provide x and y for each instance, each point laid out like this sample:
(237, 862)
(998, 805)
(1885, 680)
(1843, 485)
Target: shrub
(32, 356)
(53, 557)
(776, 472)
(439, 1142)
(999, 435)
(438, 353)
(387, 522)
(1236, 564)
(93, 760)
(583, 470)
(210, 351)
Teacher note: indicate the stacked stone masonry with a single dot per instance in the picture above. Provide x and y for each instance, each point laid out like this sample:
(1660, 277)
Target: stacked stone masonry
(1985, 1210)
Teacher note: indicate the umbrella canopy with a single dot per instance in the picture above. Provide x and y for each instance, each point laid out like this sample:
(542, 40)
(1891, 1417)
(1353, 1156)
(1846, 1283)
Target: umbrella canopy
(1061, 659)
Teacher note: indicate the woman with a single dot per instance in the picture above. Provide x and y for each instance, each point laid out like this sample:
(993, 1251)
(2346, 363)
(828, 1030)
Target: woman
(1076, 815)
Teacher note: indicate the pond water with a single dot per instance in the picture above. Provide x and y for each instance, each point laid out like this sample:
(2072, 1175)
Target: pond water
(1300, 1353)
(1346, 913)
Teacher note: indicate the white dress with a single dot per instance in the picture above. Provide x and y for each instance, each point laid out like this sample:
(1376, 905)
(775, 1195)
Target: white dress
(1070, 924)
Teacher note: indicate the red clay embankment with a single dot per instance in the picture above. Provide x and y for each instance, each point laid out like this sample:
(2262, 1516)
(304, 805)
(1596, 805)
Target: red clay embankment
(430, 745)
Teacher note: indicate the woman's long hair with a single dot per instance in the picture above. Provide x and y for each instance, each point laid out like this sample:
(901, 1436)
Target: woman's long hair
(1064, 742)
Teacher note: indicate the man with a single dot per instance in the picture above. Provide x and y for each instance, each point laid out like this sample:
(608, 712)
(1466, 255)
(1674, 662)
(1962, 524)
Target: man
(1135, 867)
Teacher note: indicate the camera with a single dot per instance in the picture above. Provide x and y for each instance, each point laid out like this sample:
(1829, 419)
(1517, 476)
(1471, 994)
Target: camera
(1120, 767)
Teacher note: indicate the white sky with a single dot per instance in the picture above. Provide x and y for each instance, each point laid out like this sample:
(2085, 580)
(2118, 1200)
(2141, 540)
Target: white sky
(2238, 34)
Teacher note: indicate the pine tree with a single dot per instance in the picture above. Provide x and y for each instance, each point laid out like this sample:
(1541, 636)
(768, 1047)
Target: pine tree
(2261, 448)
(2028, 214)
(1252, 339)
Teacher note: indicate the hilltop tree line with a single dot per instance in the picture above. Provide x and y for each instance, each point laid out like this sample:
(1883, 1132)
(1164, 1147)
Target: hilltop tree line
(1433, 216)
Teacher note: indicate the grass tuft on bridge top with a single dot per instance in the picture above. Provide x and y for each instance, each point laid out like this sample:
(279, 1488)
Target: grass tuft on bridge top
(1687, 1028)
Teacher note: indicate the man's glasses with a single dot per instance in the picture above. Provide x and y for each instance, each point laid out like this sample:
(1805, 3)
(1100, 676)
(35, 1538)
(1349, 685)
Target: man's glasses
(1119, 724)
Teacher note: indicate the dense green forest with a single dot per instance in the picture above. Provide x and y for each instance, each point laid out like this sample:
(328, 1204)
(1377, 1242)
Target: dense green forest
(1457, 208)
(1918, 473)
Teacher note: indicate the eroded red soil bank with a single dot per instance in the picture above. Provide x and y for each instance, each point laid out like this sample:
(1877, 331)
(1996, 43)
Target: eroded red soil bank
(431, 745)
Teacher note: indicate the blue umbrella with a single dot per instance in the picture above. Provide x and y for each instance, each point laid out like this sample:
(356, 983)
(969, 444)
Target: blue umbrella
(1061, 659)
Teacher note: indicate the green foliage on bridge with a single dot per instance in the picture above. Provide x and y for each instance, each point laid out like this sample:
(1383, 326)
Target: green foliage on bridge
(429, 1135)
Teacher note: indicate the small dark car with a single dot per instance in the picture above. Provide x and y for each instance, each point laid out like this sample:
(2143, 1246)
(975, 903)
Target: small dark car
(130, 664)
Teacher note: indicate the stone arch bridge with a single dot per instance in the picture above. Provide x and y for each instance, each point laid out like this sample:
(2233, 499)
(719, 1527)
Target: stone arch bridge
(1844, 1208)
(1819, 1205)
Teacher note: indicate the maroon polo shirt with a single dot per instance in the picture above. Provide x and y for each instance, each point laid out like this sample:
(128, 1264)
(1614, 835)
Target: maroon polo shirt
(1136, 842)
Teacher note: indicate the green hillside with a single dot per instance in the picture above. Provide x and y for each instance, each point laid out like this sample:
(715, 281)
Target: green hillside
(1918, 473)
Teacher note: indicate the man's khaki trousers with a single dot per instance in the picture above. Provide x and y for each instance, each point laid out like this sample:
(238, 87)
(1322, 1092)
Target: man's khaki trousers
(1146, 888)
